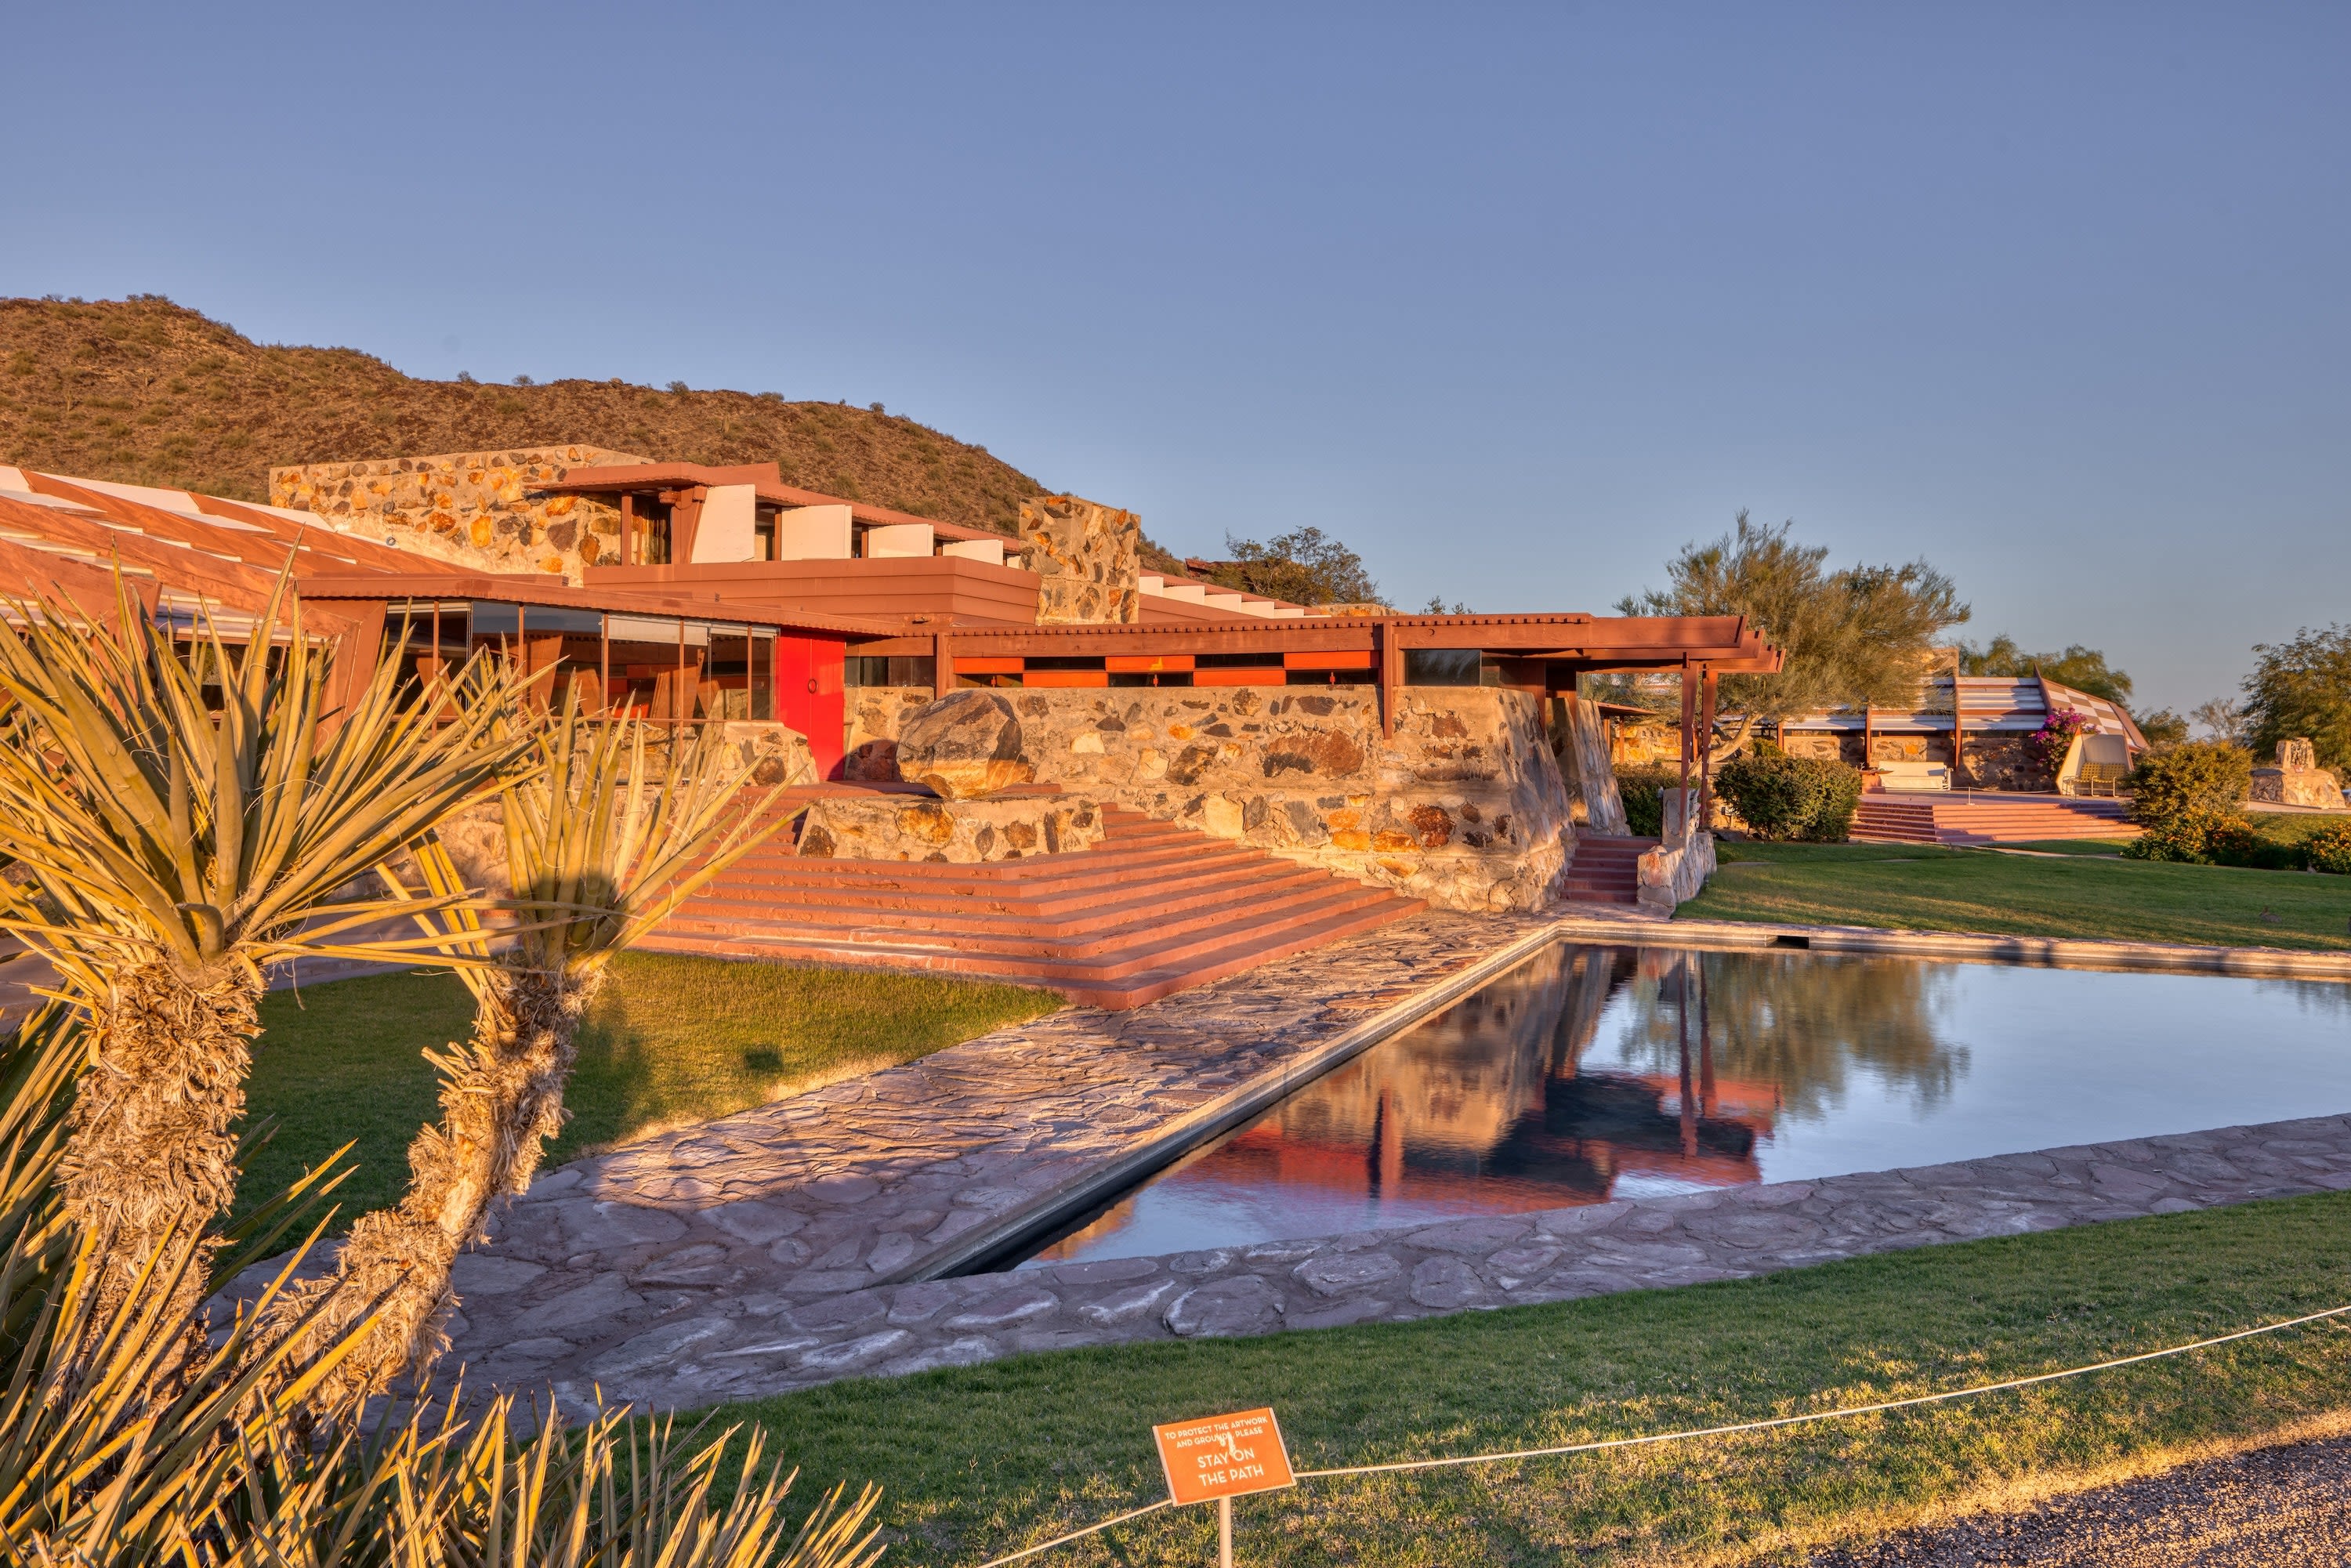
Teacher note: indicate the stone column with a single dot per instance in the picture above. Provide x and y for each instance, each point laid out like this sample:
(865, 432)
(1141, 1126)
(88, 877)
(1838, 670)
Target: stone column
(1086, 556)
(1581, 743)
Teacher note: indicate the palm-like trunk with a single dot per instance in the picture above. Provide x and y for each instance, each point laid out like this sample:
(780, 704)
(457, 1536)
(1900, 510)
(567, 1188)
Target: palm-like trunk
(150, 1154)
(501, 1099)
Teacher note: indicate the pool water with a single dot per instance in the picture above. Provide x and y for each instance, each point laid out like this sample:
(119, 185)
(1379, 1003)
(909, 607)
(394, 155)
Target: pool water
(1594, 1072)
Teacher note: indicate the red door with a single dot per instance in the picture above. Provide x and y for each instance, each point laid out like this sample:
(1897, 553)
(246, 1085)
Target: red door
(809, 697)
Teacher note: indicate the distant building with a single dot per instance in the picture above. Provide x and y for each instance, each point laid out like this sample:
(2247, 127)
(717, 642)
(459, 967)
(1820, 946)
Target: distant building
(1976, 742)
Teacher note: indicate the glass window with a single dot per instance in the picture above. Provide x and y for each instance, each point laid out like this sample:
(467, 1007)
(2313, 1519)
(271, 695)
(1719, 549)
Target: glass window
(1441, 667)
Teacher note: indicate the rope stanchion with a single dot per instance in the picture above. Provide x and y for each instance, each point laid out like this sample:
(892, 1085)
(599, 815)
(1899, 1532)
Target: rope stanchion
(1733, 1430)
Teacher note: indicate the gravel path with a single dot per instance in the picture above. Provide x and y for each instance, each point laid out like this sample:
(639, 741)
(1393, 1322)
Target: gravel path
(2288, 1506)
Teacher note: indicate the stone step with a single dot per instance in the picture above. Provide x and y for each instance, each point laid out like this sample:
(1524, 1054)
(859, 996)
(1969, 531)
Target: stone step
(1152, 908)
(1139, 973)
(1110, 928)
(1177, 889)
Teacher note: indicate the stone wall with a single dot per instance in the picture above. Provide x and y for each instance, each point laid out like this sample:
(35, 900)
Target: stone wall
(1993, 759)
(768, 753)
(1464, 807)
(476, 509)
(964, 832)
(1671, 874)
(1086, 556)
(873, 717)
(1579, 742)
(2297, 779)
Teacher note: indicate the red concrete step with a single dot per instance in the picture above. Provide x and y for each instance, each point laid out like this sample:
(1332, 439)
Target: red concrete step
(1142, 973)
(1110, 928)
(1605, 869)
(1977, 819)
(1152, 909)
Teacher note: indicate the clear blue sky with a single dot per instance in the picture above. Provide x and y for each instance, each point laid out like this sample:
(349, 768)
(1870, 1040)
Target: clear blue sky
(1515, 301)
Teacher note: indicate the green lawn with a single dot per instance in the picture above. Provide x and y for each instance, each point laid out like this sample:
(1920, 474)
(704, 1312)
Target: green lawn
(985, 1459)
(2081, 894)
(672, 1040)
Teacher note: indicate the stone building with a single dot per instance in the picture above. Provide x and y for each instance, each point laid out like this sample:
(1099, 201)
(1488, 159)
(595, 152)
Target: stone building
(1201, 778)
(1965, 732)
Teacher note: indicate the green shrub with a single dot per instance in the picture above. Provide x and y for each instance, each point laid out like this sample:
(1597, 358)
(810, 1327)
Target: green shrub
(1781, 797)
(2208, 773)
(1643, 790)
(2329, 849)
(2187, 800)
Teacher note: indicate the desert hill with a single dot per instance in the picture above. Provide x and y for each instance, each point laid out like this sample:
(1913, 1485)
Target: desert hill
(142, 391)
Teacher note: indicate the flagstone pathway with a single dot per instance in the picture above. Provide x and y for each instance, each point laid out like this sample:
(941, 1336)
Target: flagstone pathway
(695, 1348)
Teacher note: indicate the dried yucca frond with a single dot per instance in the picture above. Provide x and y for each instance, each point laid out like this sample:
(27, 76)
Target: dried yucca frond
(173, 850)
(228, 1472)
(599, 853)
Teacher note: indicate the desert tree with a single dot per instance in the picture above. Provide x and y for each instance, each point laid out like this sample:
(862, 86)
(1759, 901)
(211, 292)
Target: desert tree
(183, 817)
(1304, 566)
(601, 847)
(2301, 688)
(1852, 636)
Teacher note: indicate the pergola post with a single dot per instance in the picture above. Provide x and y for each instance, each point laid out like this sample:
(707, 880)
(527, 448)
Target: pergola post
(1688, 725)
(1959, 729)
(1390, 657)
(942, 667)
(1706, 748)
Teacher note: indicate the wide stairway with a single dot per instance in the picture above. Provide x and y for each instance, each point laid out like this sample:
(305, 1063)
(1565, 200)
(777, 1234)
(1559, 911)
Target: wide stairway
(1606, 870)
(1979, 817)
(1152, 909)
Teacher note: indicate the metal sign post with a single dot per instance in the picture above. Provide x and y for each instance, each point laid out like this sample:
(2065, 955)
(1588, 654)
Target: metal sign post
(1219, 1457)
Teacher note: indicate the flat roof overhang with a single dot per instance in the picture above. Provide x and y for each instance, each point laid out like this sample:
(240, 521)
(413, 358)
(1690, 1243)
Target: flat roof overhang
(637, 479)
(537, 589)
(1720, 642)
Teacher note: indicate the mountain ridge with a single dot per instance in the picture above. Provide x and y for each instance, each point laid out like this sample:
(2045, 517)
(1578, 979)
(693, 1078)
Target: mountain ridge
(143, 390)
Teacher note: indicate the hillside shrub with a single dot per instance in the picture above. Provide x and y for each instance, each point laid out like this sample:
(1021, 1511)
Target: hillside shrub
(1780, 797)
(2187, 800)
(1643, 790)
(2329, 849)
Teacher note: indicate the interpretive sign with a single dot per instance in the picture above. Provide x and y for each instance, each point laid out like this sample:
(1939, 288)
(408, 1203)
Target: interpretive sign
(1223, 1456)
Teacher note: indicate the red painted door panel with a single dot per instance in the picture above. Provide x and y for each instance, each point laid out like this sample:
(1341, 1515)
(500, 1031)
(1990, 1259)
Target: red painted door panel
(808, 694)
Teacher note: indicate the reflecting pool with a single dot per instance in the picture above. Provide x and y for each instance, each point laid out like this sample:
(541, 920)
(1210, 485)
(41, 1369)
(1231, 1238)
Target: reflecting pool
(1597, 1072)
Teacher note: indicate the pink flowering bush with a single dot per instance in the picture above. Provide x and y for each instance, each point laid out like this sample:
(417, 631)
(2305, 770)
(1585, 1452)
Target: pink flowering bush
(2048, 745)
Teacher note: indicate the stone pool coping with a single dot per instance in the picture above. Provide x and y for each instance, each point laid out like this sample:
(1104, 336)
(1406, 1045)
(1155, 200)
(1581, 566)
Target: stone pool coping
(890, 1180)
(924, 1168)
(695, 1358)
(2046, 952)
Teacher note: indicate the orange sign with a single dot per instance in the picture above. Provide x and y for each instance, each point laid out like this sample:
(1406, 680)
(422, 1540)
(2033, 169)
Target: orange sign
(1223, 1456)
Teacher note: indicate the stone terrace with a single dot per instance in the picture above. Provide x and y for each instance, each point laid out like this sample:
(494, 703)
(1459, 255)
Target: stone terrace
(708, 1349)
(916, 1170)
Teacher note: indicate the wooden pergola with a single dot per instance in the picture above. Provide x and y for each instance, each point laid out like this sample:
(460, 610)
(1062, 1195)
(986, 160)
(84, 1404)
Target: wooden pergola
(1542, 655)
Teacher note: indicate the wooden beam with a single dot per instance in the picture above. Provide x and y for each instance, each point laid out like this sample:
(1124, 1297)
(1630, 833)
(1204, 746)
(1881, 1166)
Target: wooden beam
(356, 657)
(684, 522)
(1391, 679)
(942, 667)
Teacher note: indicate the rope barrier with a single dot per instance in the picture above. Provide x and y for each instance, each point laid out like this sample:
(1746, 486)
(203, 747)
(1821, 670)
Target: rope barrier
(1763, 1426)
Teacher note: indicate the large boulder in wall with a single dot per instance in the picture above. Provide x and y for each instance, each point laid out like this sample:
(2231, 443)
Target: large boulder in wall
(965, 745)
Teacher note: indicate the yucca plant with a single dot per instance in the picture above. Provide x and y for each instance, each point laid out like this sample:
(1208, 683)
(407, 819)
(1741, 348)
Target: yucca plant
(599, 853)
(184, 819)
(97, 1472)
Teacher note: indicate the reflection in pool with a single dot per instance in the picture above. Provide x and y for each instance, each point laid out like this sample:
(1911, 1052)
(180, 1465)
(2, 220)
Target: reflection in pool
(1599, 1072)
